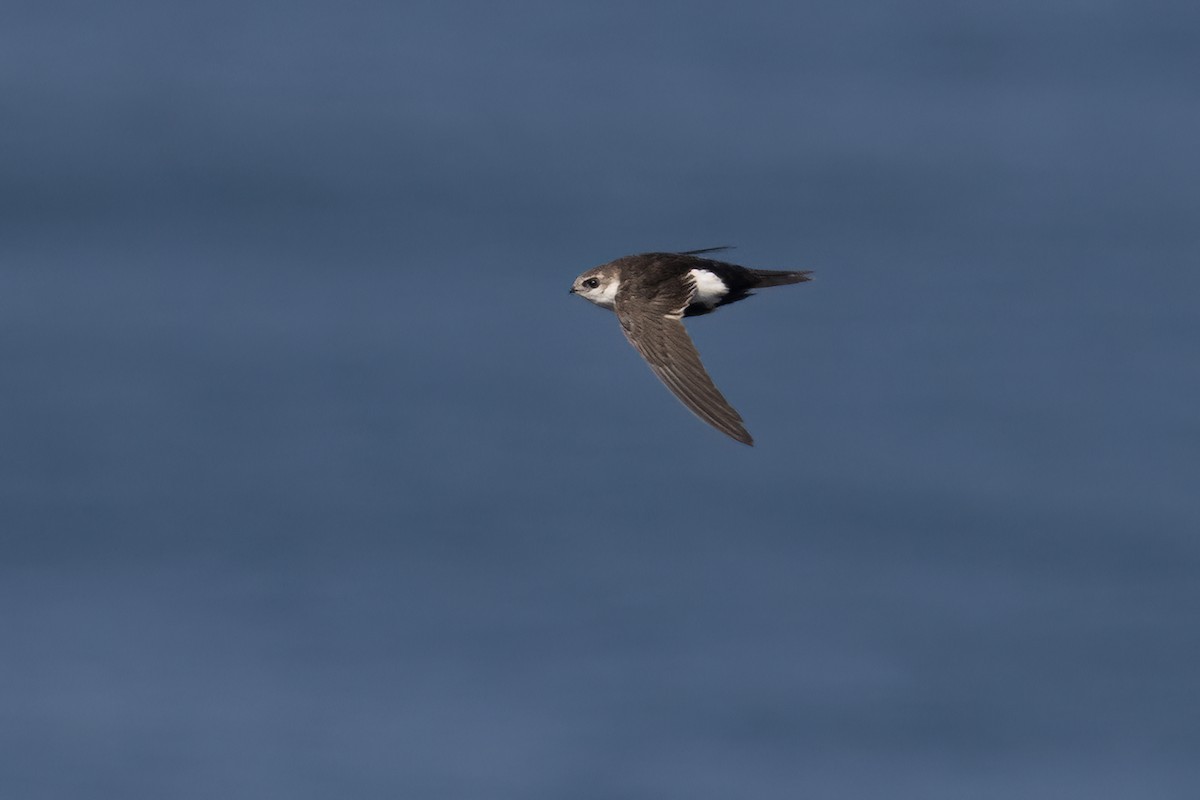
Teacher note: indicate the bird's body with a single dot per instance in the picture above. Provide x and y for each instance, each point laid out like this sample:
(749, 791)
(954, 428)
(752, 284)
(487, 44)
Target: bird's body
(651, 293)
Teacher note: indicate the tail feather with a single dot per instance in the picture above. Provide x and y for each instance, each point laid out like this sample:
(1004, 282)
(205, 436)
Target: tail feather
(776, 277)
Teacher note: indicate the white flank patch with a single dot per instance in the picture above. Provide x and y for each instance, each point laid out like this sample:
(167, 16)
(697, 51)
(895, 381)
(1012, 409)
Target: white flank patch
(709, 288)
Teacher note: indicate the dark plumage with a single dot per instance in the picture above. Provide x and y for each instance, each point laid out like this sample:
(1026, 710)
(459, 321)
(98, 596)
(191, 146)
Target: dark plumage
(652, 292)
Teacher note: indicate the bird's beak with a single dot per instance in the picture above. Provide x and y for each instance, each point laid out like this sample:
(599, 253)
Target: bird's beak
(571, 290)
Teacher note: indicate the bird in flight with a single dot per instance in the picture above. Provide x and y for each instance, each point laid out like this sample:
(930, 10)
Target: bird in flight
(651, 293)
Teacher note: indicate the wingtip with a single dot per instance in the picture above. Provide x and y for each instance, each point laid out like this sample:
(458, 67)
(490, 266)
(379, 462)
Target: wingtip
(738, 434)
(702, 250)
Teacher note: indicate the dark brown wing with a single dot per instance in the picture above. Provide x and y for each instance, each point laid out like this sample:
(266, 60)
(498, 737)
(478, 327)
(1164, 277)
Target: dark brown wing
(655, 328)
(716, 249)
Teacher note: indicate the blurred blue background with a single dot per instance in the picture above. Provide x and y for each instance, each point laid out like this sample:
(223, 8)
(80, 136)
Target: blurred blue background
(316, 483)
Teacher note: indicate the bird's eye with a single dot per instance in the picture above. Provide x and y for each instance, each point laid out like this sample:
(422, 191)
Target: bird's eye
(591, 283)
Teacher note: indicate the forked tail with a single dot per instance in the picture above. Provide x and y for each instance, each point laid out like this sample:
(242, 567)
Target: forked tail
(777, 277)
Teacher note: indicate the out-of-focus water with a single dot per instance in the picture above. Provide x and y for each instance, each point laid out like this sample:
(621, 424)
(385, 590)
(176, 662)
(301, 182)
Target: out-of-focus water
(315, 482)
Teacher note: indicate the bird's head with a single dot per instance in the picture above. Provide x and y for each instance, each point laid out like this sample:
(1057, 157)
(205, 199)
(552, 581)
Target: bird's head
(598, 285)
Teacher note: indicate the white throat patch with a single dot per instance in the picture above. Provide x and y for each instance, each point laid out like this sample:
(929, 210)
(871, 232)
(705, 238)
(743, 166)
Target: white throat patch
(709, 288)
(604, 296)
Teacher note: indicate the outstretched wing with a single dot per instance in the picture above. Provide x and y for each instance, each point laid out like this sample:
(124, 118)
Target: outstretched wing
(655, 328)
